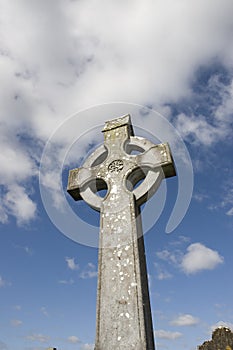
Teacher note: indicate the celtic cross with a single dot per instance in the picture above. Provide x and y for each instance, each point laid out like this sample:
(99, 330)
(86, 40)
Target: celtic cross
(124, 319)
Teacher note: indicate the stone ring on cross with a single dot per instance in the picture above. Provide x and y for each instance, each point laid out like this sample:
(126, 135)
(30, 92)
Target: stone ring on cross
(115, 167)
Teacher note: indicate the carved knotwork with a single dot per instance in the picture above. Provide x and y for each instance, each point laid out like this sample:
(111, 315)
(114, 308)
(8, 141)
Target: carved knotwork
(116, 166)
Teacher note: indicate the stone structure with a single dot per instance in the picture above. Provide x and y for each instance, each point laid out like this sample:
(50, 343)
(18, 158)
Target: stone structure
(222, 339)
(123, 306)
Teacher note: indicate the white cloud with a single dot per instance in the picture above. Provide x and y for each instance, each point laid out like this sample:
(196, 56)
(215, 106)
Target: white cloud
(90, 271)
(18, 203)
(3, 216)
(87, 347)
(185, 320)
(162, 274)
(162, 334)
(28, 250)
(207, 129)
(163, 254)
(200, 257)
(70, 281)
(4, 283)
(38, 337)
(17, 169)
(168, 256)
(226, 198)
(16, 164)
(71, 264)
(200, 197)
(16, 323)
(18, 307)
(70, 60)
(230, 212)
(198, 127)
(44, 311)
(224, 110)
(73, 339)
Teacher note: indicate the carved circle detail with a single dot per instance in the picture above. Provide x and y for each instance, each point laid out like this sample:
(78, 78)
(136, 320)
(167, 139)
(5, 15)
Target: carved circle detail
(116, 166)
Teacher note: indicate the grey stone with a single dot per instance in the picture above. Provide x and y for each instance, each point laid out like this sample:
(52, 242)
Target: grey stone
(123, 306)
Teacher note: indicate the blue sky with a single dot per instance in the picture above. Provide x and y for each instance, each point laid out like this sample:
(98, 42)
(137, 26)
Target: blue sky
(97, 61)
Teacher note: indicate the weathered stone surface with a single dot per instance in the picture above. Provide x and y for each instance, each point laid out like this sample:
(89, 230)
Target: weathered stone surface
(222, 339)
(123, 305)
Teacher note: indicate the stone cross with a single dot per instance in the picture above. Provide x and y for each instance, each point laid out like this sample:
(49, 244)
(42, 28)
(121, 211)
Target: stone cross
(124, 319)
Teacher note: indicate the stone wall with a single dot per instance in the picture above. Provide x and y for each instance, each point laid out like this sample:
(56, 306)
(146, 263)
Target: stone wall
(222, 339)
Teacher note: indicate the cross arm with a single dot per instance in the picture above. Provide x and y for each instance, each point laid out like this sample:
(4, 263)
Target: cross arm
(83, 184)
(73, 189)
(159, 156)
(81, 180)
(153, 163)
(154, 156)
(84, 181)
(78, 178)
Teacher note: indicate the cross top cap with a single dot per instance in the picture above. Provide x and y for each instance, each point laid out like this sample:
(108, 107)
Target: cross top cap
(117, 123)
